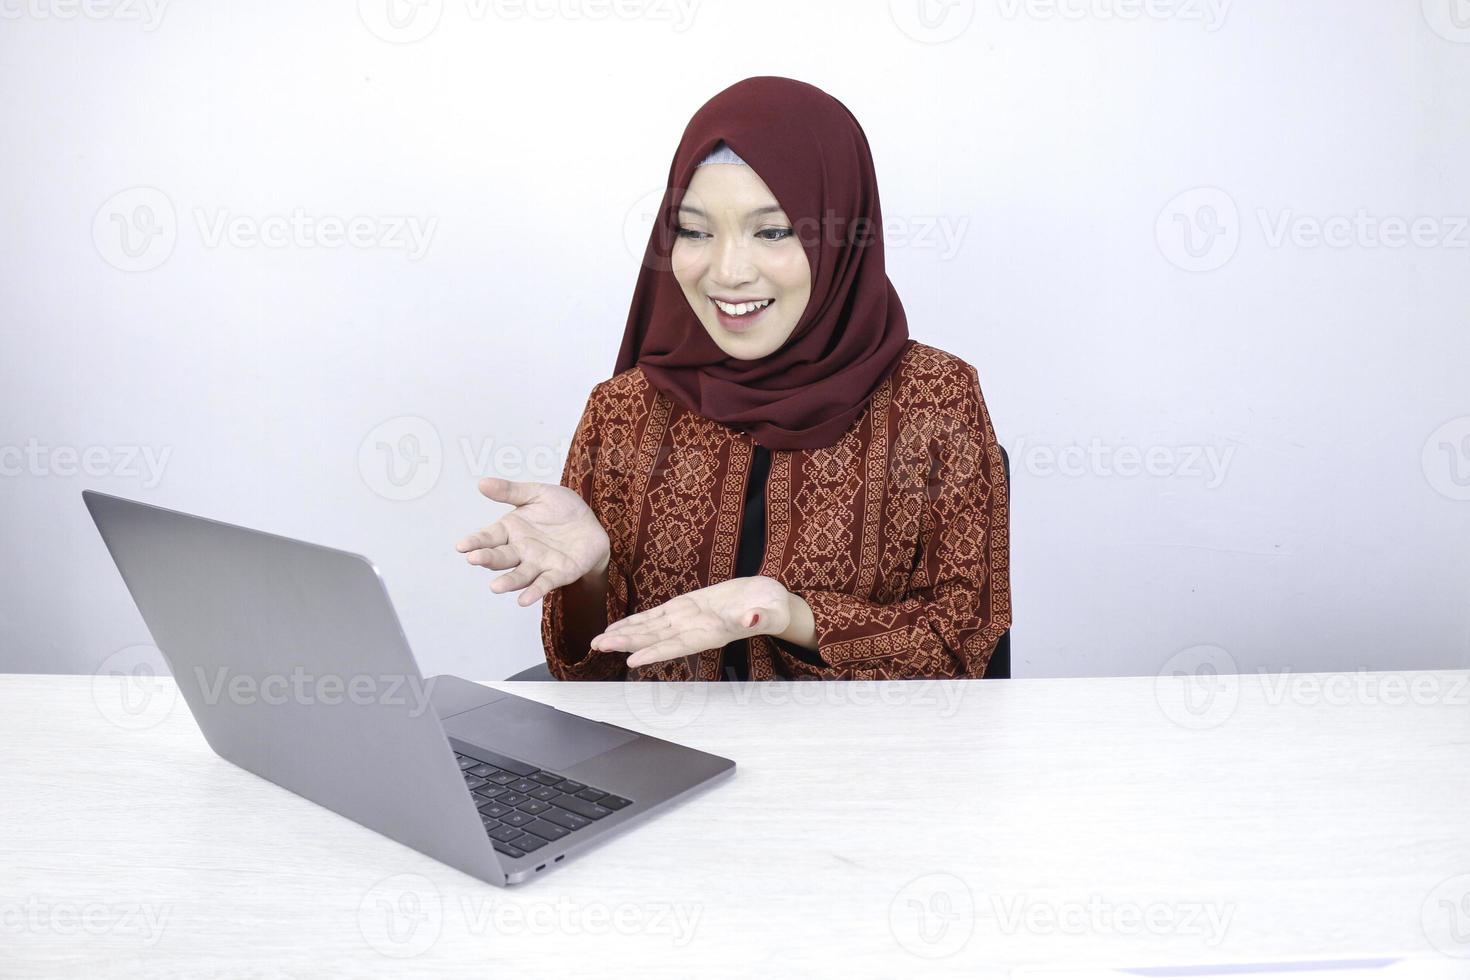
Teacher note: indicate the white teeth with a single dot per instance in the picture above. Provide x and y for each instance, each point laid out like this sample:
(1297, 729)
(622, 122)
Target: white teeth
(740, 309)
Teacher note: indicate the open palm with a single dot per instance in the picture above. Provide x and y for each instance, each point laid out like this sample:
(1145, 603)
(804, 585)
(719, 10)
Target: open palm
(551, 538)
(704, 619)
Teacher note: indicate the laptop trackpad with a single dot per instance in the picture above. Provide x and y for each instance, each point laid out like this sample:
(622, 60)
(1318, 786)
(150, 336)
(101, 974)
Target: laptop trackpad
(536, 733)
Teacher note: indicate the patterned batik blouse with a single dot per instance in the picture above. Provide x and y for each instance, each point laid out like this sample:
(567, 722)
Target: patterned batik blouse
(896, 536)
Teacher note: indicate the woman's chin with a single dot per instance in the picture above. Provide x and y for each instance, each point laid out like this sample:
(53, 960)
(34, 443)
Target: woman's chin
(749, 345)
(741, 346)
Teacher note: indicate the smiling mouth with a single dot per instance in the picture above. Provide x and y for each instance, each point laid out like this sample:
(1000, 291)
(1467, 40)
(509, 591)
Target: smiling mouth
(741, 323)
(742, 309)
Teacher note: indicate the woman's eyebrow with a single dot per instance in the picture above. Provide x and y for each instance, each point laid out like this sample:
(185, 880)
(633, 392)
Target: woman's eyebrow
(768, 209)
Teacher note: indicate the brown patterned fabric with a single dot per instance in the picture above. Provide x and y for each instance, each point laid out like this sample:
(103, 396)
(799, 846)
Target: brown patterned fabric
(896, 535)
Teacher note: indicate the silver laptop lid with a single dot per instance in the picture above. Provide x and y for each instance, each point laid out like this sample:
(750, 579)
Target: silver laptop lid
(295, 666)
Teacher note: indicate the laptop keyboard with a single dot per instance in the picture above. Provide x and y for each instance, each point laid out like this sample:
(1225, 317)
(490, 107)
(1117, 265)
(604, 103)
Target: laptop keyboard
(524, 808)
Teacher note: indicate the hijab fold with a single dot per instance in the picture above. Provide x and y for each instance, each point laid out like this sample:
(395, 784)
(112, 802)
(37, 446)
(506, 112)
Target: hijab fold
(813, 155)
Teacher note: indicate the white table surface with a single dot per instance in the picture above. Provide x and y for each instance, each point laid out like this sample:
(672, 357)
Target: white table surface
(1124, 821)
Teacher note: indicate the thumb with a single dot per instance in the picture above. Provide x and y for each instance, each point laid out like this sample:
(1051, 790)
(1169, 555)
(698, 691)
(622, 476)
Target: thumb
(507, 491)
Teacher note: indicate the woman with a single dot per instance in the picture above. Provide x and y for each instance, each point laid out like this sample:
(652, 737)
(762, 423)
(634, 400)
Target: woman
(777, 481)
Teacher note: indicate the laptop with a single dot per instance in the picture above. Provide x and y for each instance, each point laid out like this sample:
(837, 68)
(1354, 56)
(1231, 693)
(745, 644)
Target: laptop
(291, 658)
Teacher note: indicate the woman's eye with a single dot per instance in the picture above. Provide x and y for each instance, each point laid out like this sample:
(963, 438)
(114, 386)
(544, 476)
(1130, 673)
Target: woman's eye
(765, 234)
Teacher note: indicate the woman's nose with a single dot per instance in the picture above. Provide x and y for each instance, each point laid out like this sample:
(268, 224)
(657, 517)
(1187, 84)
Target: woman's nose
(732, 264)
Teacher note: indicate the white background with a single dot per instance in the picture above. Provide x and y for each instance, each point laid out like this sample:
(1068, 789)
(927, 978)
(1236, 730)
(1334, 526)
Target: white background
(1031, 158)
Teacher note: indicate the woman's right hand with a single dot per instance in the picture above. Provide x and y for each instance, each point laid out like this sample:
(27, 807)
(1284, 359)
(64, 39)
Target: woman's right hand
(552, 538)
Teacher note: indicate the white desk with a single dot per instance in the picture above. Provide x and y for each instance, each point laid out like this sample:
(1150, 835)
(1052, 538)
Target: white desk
(1082, 821)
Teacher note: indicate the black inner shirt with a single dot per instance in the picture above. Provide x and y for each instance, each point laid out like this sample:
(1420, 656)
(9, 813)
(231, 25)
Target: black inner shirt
(749, 554)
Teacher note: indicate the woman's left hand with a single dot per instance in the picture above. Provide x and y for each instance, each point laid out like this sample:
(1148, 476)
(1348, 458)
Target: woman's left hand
(704, 619)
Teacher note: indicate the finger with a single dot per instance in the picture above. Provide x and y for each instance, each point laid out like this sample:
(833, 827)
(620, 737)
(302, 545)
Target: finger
(508, 491)
(505, 556)
(490, 537)
(627, 642)
(524, 574)
(665, 650)
(543, 584)
(625, 634)
(641, 619)
(631, 639)
(656, 619)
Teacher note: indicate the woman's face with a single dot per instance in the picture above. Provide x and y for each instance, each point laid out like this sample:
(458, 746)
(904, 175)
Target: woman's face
(735, 244)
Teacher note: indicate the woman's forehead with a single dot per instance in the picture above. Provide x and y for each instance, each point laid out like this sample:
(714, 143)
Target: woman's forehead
(728, 189)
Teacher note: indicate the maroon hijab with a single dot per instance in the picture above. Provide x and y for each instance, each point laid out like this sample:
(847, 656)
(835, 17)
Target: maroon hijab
(811, 152)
